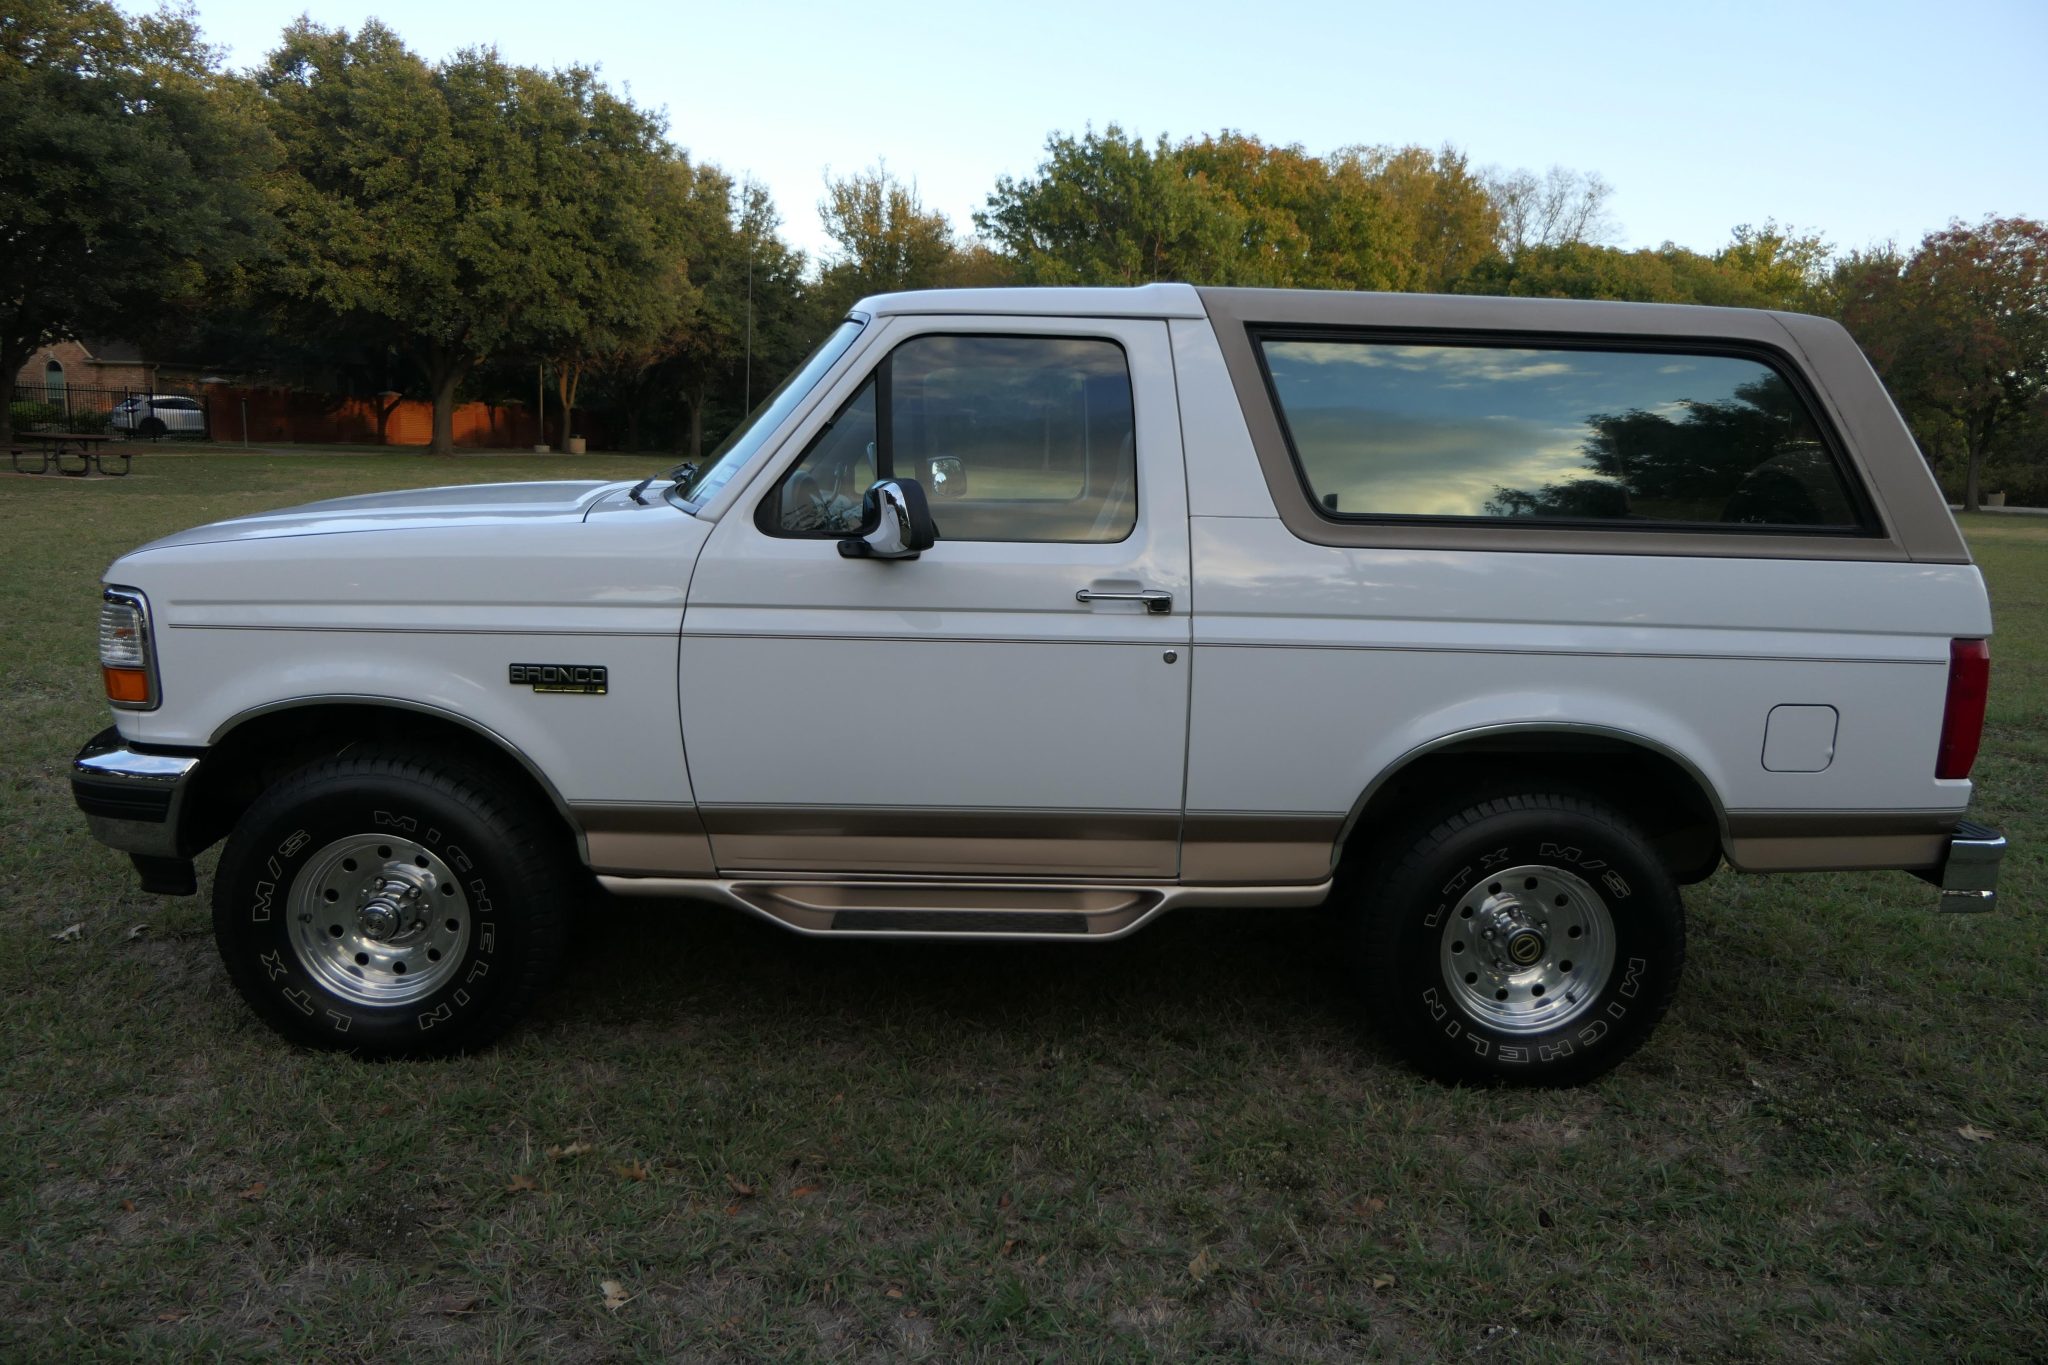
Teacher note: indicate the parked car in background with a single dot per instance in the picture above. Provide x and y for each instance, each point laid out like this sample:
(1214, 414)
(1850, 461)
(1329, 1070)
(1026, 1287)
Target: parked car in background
(155, 414)
(1033, 614)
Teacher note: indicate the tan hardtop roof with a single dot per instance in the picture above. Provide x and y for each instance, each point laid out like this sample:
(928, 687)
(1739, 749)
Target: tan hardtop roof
(1330, 307)
(1488, 313)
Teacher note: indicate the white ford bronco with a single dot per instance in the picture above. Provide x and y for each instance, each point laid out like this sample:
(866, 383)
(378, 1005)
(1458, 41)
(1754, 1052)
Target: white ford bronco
(1031, 614)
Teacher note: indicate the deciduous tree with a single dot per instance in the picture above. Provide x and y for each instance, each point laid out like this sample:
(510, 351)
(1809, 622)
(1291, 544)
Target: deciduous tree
(464, 207)
(886, 239)
(1959, 330)
(130, 175)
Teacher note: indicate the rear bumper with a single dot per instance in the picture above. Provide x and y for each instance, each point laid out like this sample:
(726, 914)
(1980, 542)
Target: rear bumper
(1968, 871)
(133, 799)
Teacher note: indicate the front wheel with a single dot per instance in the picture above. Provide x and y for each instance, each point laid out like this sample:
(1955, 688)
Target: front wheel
(1532, 939)
(389, 905)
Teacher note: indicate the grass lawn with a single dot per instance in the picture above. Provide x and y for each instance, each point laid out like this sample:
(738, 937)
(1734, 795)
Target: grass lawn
(1183, 1144)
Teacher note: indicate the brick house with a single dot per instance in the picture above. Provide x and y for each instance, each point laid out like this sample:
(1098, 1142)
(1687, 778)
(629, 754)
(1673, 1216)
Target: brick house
(65, 365)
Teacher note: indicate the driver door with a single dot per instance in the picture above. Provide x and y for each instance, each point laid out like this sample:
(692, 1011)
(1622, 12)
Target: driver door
(1004, 705)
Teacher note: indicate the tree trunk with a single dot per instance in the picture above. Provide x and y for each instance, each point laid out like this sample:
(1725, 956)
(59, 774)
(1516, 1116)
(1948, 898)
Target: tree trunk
(445, 365)
(1973, 478)
(568, 378)
(444, 412)
(10, 365)
(384, 411)
(697, 424)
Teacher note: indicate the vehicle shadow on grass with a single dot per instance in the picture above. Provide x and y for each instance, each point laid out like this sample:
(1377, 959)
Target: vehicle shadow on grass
(650, 965)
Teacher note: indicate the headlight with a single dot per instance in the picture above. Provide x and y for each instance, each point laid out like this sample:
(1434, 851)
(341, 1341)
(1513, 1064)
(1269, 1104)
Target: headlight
(127, 654)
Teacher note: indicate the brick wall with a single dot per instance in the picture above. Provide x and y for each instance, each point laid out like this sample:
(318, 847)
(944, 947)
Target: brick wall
(82, 371)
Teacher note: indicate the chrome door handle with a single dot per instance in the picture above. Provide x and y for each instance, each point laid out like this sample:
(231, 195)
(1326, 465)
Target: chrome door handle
(1157, 600)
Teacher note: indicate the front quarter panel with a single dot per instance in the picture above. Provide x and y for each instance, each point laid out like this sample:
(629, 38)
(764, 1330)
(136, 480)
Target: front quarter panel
(433, 618)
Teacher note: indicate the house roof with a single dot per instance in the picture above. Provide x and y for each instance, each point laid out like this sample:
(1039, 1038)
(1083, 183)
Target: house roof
(110, 351)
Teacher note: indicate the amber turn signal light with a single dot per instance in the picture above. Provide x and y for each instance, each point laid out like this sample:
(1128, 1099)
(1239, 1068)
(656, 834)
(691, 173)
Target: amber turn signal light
(126, 684)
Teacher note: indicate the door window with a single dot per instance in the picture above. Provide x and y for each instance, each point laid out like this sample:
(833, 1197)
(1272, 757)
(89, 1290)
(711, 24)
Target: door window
(1014, 438)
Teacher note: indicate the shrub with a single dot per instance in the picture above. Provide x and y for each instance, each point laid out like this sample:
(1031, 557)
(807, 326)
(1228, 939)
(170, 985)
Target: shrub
(27, 415)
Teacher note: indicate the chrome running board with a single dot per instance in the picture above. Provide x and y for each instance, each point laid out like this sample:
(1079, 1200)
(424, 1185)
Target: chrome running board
(980, 910)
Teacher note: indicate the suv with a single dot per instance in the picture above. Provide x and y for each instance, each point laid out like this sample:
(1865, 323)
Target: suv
(154, 414)
(1031, 614)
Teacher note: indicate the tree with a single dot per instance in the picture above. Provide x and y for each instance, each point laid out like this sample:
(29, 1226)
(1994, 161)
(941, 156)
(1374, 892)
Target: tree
(752, 315)
(1230, 209)
(1108, 209)
(1959, 330)
(129, 175)
(464, 208)
(1440, 224)
(887, 240)
(1781, 266)
(626, 251)
(1563, 207)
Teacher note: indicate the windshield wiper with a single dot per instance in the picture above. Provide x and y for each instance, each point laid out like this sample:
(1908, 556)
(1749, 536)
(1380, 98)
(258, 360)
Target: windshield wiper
(637, 489)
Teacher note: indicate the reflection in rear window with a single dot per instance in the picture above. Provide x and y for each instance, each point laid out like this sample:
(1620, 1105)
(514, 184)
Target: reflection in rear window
(1533, 435)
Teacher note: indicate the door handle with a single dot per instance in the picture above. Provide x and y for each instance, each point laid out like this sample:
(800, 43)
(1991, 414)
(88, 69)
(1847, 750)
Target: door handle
(1157, 601)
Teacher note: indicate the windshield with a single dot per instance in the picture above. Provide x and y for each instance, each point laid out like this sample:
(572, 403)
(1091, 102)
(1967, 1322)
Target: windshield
(738, 448)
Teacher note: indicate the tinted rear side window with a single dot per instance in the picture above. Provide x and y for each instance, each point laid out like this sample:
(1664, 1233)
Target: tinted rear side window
(1383, 429)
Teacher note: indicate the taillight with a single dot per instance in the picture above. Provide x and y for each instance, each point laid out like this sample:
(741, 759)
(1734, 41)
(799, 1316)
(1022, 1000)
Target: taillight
(1962, 715)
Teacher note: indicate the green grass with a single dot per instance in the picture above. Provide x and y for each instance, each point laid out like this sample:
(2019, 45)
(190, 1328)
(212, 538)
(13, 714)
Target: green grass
(1181, 1145)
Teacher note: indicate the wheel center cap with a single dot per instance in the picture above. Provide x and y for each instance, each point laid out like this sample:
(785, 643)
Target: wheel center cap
(1525, 948)
(390, 905)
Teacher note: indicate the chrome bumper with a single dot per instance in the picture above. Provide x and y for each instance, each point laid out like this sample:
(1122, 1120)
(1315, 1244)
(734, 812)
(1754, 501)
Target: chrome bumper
(1968, 872)
(132, 800)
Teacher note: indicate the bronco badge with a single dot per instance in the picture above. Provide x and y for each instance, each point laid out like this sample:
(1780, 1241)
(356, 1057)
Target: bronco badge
(584, 679)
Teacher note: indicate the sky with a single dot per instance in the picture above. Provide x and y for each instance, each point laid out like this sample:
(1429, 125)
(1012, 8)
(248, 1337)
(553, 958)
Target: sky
(1868, 121)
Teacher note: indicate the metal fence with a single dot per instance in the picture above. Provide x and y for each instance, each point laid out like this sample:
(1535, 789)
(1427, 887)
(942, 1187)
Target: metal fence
(120, 412)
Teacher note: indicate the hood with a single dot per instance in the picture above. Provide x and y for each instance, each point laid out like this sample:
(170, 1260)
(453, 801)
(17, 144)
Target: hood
(476, 504)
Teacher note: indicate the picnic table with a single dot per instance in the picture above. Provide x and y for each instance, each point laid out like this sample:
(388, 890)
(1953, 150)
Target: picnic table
(49, 446)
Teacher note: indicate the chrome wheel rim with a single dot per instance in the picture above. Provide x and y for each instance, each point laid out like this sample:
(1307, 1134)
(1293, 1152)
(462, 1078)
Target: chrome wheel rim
(379, 920)
(1528, 948)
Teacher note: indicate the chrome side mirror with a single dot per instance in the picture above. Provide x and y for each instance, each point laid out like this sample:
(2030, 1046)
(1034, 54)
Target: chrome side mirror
(896, 522)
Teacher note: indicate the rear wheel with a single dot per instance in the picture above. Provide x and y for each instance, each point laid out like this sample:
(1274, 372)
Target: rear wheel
(152, 427)
(1531, 939)
(390, 905)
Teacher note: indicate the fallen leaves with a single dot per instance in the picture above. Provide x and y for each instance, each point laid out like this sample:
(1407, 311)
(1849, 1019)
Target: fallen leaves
(1383, 1282)
(630, 1170)
(570, 1151)
(254, 1192)
(135, 931)
(1367, 1207)
(1200, 1267)
(70, 933)
(1970, 1132)
(615, 1295)
(522, 1184)
(805, 1191)
(739, 1186)
(127, 1206)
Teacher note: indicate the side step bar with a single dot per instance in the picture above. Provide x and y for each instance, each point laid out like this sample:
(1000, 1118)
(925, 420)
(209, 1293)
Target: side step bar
(981, 910)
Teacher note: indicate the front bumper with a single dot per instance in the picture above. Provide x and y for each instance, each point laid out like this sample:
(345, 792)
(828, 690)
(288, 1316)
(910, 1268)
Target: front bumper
(1968, 871)
(134, 800)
